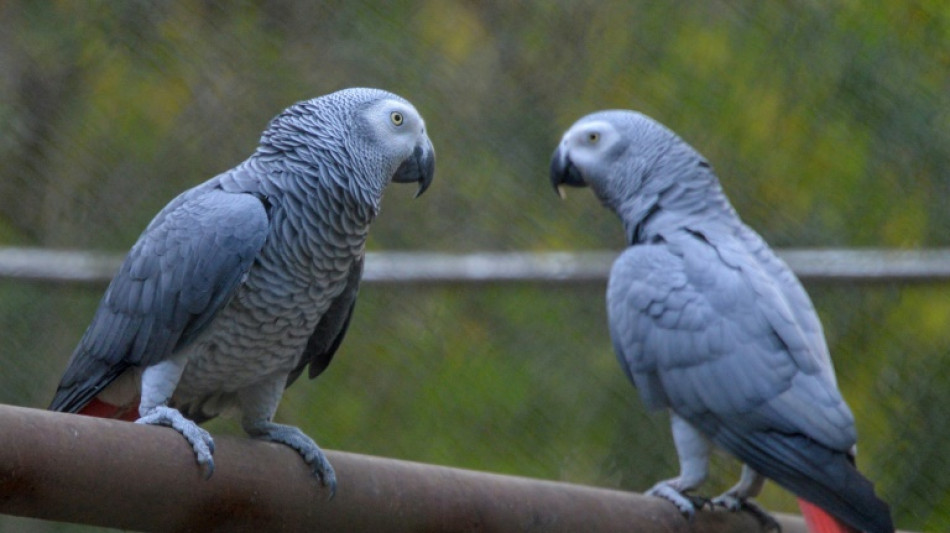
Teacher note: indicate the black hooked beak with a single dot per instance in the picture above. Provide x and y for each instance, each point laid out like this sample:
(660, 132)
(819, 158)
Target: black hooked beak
(418, 167)
(563, 172)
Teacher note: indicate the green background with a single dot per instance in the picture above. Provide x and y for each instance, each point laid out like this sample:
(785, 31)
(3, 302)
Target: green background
(828, 123)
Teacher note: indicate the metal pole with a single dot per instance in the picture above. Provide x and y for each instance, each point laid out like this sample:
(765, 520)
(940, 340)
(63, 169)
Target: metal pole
(73, 468)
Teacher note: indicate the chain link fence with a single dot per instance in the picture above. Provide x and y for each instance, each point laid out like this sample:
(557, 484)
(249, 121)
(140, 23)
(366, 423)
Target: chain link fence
(828, 125)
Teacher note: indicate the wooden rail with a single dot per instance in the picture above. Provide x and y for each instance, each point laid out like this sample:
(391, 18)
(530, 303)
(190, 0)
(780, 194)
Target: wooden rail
(85, 470)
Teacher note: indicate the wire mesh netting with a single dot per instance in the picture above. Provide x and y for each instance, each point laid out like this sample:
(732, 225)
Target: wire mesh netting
(829, 126)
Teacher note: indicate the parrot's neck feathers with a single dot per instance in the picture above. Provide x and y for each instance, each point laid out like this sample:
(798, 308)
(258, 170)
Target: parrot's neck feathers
(637, 216)
(317, 158)
(672, 196)
(303, 174)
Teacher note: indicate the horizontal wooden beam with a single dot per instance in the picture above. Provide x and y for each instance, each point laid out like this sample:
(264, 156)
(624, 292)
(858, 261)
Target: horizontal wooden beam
(85, 470)
(819, 266)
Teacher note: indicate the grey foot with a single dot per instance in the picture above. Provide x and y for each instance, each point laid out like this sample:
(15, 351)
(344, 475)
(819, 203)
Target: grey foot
(305, 446)
(200, 440)
(735, 504)
(685, 503)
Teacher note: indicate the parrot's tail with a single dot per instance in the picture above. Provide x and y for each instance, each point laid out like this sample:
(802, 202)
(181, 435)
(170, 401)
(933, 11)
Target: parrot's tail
(817, 520)
(820, 475)
(101, 409)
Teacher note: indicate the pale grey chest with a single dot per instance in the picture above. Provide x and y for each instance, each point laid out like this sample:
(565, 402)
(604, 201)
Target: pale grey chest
(263, 330)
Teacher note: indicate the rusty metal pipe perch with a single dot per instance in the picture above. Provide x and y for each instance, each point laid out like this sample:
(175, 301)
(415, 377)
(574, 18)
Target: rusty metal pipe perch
(73, 468)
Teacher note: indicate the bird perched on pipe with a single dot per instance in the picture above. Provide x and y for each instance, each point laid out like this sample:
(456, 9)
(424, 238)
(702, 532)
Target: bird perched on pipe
(241, 283)
(708, 323)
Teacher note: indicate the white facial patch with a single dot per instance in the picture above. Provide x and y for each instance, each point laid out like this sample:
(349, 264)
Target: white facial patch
(397, 126)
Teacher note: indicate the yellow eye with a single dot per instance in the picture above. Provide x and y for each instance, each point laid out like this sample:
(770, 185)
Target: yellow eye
(397, 118)
(593, 137)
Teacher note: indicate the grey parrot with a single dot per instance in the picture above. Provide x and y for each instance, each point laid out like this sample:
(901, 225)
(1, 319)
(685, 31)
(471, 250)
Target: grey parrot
(241, 283)
(710, 324)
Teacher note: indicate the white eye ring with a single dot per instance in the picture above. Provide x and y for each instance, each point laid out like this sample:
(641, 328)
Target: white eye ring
(593, 137)
(396, 118)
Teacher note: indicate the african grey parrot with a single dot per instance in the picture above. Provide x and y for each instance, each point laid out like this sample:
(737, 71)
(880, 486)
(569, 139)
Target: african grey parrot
(240, 283)
(707, 322)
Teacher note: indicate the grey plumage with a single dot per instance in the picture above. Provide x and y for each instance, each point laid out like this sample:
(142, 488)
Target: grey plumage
(240, 283)
(707, 322)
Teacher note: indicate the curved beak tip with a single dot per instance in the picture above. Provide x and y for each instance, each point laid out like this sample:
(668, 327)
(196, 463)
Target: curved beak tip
(417, 168)
(427, 171)
(422, 188)
(564, 174)
(558, 173)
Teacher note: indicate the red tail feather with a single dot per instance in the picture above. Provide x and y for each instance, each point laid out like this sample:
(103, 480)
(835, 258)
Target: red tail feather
(101, 409)
(817, 520)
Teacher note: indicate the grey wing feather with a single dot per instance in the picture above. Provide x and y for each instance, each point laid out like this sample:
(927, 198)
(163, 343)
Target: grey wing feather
(708, 334)
(794, 293)
(642, 275)
(331, 329)
(183, 269)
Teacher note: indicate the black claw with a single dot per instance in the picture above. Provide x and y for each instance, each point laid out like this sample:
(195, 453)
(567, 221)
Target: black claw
(764, 518)
(699, 502)
(689, 515)
(206, 470)
(328, 480)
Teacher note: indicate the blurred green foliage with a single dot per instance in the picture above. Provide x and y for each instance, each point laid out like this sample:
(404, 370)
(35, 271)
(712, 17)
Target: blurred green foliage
(829, 124)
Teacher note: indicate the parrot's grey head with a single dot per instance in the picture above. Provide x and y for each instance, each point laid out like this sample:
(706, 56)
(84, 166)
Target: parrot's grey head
(364, 138)
(614, 152)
